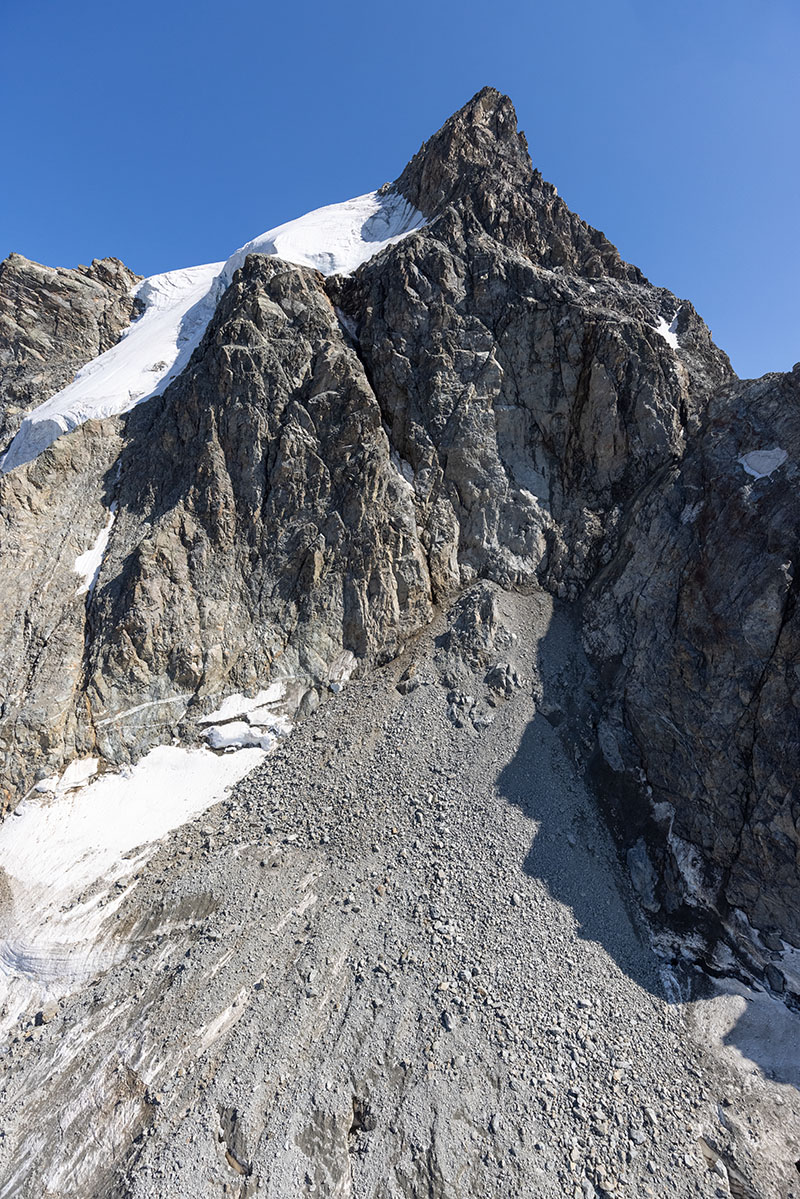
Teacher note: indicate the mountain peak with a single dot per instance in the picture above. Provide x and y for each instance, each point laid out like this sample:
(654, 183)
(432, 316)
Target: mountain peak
(481, 136)
(479, 161)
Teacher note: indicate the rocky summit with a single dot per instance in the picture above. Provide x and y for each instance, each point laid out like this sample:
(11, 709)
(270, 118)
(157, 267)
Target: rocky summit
(399, 707)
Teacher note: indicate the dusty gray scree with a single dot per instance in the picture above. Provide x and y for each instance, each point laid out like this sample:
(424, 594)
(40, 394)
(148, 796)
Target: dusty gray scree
(401, 959)
(515, 910)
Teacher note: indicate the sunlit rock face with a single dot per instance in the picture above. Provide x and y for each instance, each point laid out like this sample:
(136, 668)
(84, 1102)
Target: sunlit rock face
(52, 322)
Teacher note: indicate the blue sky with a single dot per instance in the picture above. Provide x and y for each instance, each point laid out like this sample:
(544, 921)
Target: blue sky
(169, 133)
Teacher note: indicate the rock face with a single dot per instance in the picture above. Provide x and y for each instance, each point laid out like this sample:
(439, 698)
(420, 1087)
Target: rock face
(279, 533)
(52, 322)
(496, 396)
(696, 626)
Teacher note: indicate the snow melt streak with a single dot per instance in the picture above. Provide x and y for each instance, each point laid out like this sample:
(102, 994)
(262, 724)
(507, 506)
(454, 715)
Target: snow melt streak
(88, 564)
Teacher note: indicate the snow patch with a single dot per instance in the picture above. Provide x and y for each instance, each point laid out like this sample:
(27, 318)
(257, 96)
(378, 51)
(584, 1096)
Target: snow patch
(68, 856)
(88, 564)
(669, 330)
(337, 239)
(179, 305)
(761, 463)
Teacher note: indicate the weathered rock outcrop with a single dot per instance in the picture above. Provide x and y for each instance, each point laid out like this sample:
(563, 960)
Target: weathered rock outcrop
(52, 322)
(695, 623)
(263, 526)
(51, 513)
(498, 395)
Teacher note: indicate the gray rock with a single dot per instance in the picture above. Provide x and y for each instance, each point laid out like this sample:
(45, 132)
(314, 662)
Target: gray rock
(52, 322)
(694, 624)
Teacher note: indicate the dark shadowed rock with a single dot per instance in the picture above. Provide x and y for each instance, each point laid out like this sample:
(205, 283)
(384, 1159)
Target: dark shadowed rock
(696, 626)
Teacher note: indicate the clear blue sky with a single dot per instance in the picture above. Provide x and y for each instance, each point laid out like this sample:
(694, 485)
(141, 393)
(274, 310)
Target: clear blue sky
(169, 133)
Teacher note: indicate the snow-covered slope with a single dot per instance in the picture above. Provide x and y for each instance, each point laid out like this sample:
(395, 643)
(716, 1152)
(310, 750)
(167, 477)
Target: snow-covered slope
(70, 853)
(337, 239)
(179, 304)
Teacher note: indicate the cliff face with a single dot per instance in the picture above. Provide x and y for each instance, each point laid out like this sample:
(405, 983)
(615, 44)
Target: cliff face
(695, 623)
(495, 396)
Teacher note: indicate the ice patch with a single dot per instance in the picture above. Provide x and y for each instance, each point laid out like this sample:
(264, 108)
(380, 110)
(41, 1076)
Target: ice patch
(240, 705)
(690, 865)
(239, 734)
(341, 669)
(789, 963)
(76, 775)
(88, 564)
(347, 324)
(691, 512)
(669, 330)
(67, 857)
(761, 463)
(179, 304)
(239, 722)
(750, 1030)
(404, 471)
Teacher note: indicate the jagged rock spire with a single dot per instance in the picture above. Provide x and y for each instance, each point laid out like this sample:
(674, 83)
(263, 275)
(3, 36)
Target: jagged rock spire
(481, 136)
(479, 161)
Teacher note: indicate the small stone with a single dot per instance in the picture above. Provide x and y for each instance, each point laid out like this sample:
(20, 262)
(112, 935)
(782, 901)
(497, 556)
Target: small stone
(775, 978)
(516, 899)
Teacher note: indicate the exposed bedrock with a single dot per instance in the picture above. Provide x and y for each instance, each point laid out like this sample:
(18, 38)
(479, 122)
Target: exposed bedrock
(695, 623)
(52, 322)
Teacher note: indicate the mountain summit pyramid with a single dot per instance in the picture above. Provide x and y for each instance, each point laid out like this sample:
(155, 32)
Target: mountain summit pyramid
(420, 504)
